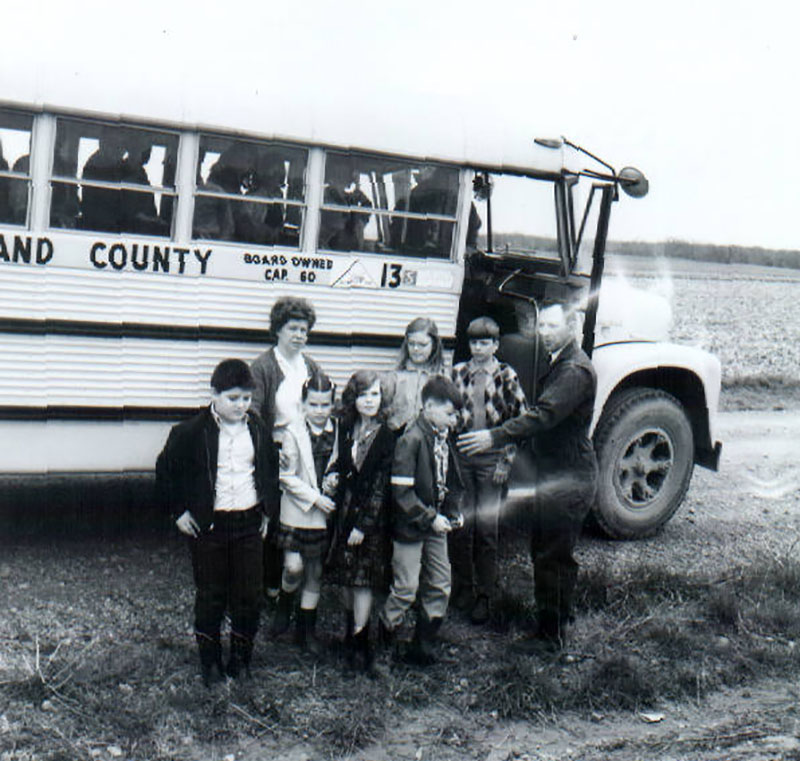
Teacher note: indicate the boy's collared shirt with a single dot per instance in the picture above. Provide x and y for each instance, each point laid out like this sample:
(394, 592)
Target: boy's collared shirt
(441, 454)
(235, 488)
(503, 396)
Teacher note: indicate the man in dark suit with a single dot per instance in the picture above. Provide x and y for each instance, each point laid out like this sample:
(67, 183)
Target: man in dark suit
(557, 426)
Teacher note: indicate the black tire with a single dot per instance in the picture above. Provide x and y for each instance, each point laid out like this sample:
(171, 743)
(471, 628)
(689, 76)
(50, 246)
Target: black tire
(645, 453)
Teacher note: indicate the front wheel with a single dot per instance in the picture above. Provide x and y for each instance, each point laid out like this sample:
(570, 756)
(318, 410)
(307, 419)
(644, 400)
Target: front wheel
(645, 453)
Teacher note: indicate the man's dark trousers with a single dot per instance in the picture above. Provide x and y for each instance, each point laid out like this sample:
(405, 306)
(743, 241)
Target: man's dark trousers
(556, 519)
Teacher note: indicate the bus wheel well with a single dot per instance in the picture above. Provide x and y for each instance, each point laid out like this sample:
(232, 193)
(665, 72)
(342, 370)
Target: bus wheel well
(688, 389)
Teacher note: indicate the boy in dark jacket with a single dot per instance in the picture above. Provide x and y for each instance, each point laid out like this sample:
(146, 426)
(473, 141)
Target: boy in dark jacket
(426, 489)
(219, 471)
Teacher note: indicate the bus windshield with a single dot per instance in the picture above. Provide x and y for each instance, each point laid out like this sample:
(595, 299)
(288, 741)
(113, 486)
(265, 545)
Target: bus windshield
(523, 217)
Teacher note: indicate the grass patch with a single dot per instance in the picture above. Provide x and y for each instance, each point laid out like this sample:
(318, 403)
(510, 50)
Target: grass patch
(92, 670)
(646, 635)
(760, 392)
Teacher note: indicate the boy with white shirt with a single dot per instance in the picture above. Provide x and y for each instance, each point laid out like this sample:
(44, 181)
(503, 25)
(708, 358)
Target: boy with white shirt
(219, 471)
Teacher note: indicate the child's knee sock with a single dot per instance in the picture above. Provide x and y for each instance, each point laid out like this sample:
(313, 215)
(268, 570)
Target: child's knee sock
(309, 599)
(312, 579)
(292, 576)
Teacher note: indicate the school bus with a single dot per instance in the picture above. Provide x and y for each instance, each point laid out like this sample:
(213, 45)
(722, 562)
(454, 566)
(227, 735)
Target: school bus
(137, 252)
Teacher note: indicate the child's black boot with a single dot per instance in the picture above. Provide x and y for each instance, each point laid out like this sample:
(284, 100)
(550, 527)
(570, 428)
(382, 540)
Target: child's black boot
(365, 655)
(422, 651)
(386, 636)
(348, 644)
(241, 653)
(211, 666)
(306, 631)
(283, 613)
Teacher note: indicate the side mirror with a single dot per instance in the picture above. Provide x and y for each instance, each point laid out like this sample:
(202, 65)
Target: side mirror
(633, 182)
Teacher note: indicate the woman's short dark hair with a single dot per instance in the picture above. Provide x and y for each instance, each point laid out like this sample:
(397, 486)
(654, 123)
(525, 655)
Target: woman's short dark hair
(359, 382)
(290, 308)
(232, 373)
(435, 362)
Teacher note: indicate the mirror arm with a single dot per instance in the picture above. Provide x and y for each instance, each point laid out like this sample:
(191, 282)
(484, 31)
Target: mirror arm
(598, 262)
(585, 216)
(590, 155)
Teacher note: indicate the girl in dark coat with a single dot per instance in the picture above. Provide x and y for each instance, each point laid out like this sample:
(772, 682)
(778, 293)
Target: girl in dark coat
(360, 550)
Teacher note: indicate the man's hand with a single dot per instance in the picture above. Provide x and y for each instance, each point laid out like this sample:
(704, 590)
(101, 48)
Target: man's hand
(188, 525)
(264, 526)
(441, 525)
(473, 442)
(284, 461)
(355, 538)
(326, 504)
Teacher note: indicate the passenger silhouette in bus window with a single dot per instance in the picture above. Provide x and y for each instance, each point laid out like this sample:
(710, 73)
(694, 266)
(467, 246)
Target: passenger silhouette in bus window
(213, 217)
(270, 181)
(238, 175)
(251, 218)
(138, 208)
(436, 192)
(343, 231)
(101, 208)
(18, 192)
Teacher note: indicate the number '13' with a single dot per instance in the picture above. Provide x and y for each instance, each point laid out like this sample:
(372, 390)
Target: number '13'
(391, 275)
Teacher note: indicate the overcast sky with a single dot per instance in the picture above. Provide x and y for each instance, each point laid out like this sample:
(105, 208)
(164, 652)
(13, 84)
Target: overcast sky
(700, 95)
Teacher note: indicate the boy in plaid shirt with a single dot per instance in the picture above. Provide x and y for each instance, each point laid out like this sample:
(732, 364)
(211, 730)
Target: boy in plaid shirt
(490, 394)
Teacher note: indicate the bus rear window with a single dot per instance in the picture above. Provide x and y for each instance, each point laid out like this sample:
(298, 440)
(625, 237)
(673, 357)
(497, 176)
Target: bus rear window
(15, 150)
(109, 178)
(372, 203)
(250, 192)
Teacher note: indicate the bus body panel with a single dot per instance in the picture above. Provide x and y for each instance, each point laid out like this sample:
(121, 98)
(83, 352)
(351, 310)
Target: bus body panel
(617, 362)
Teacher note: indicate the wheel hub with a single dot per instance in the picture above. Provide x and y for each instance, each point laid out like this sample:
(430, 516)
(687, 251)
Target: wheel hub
(644, 467)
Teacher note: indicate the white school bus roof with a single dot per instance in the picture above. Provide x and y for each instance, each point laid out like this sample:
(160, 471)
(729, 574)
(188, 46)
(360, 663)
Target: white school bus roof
(419, 126)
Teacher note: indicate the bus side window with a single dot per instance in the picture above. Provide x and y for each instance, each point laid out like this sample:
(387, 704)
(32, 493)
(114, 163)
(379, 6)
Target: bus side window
(90, 159)
(249, 192)
(385, 205)
(15, 146)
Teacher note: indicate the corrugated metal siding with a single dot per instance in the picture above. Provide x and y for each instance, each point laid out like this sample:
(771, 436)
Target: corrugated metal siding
(97, 372)
(85, 295)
